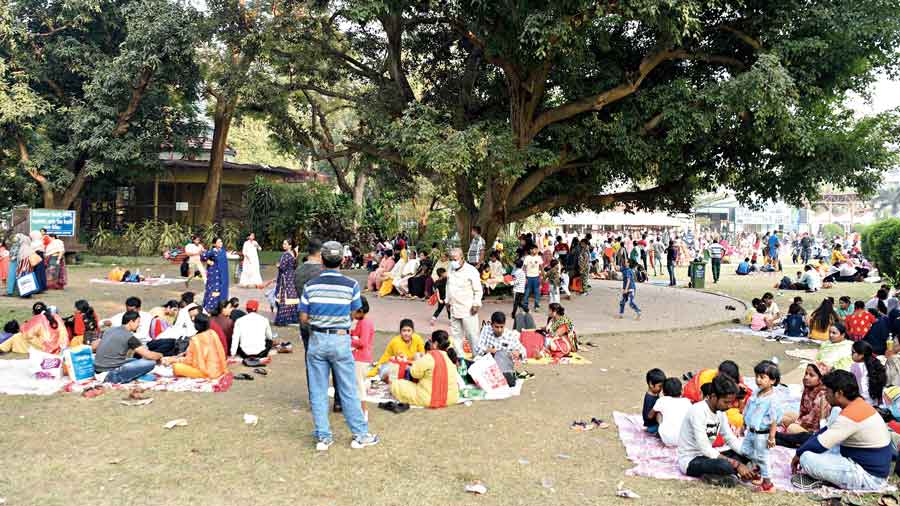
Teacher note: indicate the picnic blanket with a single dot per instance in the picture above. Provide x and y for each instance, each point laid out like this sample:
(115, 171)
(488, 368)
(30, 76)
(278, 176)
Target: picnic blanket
(145, 282)
(654, 460)
(379, 391)
(776, 335)
(17, 378)
(572, 359)
(162, 384)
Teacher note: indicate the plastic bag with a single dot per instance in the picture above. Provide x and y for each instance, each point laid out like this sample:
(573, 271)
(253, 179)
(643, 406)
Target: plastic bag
(487, 375)
(45, 365)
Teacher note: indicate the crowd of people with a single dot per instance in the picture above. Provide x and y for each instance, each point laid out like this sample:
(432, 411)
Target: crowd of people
(839, 433)
(39, 258)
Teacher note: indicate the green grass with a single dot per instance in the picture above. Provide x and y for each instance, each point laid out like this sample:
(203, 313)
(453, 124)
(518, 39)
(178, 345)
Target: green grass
(94, 260)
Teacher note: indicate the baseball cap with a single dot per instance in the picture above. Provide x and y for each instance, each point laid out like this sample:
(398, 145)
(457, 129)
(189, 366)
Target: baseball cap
(332, 251)
(252, 305)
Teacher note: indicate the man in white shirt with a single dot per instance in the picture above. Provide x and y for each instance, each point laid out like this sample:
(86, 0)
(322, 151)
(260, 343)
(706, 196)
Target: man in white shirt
(532, 265)
(704, 422)
(810, 279)
(464, 292)
(143, 331)
(252, 337)
(716, 251)
(503, 344)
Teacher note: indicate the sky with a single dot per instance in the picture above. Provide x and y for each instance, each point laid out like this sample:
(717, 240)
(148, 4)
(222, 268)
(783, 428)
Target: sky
(885, 95)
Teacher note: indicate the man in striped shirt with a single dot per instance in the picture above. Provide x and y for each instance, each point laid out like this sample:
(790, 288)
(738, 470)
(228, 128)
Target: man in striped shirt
(326, 304)
(716, 251)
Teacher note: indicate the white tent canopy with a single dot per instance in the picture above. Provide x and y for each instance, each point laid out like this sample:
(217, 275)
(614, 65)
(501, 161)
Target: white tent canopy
(618, 218)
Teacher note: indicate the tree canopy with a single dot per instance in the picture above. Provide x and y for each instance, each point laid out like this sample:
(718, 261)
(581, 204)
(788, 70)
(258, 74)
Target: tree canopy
(517, 108)
(92, 86)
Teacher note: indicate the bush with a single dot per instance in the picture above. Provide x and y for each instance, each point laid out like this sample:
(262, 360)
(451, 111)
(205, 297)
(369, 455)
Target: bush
(829, 230)
(881, 244)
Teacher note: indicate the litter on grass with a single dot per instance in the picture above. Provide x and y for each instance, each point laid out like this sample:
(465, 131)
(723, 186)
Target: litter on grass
(251, 419)
(140, 402)
(476, 488)
(627, 493)
(171, 424)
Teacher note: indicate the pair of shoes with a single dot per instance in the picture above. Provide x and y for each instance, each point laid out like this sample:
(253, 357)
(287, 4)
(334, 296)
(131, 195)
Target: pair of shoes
(324, 444)
(720, 480)
(363, 441)
(805, 482)
(394, 407)
(620, 316)
(637, 316)
(433, 321)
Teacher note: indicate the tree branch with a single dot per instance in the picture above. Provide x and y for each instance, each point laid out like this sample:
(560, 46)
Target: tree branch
(600, 100)
(649, 198)
(137, 94)
(750, 41)
(323, 91)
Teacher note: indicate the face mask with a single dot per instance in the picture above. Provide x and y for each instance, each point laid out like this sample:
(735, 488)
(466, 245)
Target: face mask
(455, 265)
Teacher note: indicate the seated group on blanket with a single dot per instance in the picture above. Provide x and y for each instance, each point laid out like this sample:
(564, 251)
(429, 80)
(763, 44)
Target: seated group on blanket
(840, 438)
(431, 373)
(130, 344)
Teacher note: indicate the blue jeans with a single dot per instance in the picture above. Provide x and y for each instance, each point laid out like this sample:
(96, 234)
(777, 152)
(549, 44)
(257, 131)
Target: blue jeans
(671, 269)
(329, 352)
(11, 277)
(533, 287)
(756, 448)
(132, 369)
(628, 298)
(839, 471)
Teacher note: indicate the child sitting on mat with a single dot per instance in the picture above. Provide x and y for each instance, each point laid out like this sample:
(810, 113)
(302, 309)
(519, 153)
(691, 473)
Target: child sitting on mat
(655, 379)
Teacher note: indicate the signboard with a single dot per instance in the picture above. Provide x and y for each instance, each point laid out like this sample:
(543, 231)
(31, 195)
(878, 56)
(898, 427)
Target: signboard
(55, 221)
(181, 206)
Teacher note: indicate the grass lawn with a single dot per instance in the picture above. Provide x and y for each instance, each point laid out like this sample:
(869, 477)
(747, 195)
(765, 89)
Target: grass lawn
(67, 450)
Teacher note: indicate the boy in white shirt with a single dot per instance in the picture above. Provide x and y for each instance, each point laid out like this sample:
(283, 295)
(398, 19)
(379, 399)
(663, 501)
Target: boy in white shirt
(519, 281)
(670, 411)
(532, 265)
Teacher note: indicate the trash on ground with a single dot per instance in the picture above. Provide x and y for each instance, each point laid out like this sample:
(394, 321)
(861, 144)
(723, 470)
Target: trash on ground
(181, 422)
(524, 462)
(140, 402)
(600, 424)
(251, 419)
(564, 456)
(580, 426)
(476, 488)
(547, 483)
(626, 493)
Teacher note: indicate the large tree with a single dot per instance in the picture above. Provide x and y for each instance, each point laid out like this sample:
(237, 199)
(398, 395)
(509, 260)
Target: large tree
(517, 108)
(93, 86)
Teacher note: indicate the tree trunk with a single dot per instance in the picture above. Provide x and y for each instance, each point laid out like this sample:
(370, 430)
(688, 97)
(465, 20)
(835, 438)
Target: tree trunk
(221, 124)
(359, 197)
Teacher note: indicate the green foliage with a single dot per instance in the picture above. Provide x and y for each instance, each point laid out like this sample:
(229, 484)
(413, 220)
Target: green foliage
(881, 244)
(231, 235)
(548, 105)
(90, 88)
(260, 201)
(829, 230)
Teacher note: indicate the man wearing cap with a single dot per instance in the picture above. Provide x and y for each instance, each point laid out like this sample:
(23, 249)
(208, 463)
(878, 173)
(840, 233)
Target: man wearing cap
(325, 305)
(309, 269)
(252, 337)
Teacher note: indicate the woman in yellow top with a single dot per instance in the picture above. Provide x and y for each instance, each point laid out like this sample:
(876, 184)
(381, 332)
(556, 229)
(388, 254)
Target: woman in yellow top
(205, 357)
(837, 257)
(438, 379)
(408, 344)
(821, 319)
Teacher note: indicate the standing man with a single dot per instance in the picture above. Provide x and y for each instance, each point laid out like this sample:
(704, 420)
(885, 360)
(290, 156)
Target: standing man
(659, 252)
(309, 269)
(671, 260)
(716, 251)
(806, 244)
(628, 290)
(464, 293)
(476, 247)
(773, 245)
(325, 306)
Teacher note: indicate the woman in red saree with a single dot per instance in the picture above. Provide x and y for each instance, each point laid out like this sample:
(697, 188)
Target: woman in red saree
(45, 331)
(561, 340)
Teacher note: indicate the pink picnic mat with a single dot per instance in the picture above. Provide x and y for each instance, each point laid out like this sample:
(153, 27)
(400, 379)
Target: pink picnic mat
(653, 460)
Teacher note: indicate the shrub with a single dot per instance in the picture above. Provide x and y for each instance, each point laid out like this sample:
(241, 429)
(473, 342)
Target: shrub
(881, 244)
(829, 230)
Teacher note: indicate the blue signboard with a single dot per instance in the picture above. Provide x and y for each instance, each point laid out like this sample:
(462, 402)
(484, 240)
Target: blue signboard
(55, 221)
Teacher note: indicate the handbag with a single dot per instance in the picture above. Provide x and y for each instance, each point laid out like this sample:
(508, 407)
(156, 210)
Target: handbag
(433, 299)
(27, 284)
(34, 259)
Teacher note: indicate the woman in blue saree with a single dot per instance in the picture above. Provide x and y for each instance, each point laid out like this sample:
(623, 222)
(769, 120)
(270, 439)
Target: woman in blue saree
(286, 297)
(216, 276)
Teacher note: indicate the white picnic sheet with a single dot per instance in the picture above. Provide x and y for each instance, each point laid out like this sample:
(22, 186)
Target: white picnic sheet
(771, 335)
(379, 392)
(17, 378)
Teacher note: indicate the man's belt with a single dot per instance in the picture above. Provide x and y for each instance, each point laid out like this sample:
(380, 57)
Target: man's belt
(330, 331)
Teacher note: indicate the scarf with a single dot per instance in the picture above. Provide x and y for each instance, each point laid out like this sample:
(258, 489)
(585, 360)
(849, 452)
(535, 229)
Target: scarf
(439, 386)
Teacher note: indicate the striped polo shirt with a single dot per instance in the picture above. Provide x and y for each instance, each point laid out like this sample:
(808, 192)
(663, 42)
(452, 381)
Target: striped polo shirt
(329, 298)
